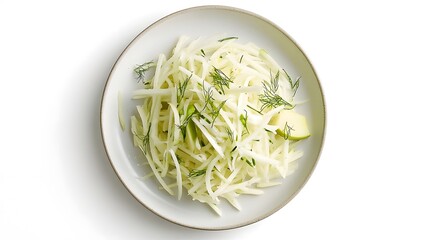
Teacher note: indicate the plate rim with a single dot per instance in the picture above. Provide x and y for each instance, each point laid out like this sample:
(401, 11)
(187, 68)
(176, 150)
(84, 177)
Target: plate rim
(236, 10)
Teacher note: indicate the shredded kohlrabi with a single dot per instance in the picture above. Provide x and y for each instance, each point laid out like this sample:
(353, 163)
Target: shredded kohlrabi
(213, 120)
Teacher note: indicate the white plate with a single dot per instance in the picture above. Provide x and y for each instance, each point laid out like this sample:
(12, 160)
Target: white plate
(160, 37)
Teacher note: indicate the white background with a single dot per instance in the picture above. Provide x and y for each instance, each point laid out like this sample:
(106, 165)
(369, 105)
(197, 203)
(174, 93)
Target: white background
(372, 179)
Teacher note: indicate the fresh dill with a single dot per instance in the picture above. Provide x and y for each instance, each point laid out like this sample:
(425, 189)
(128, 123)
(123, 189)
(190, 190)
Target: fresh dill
(196, 173)
(208, 97)
(182, 89)
(209, 104)
(226, 39)
(270, 98)
(241, 58)
(251, 163)
(208, 107)
(293, 85)
(215, 111)
(243, 120)
(230, 134)
(287, 129)
(202, 52)
(190, 113)
(220, 80)
(234, 148)
(141, 70)
(145, 140)
(256, 110)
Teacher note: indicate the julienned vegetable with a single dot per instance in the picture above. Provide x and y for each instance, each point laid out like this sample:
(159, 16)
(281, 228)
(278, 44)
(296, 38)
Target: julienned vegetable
(216, 119)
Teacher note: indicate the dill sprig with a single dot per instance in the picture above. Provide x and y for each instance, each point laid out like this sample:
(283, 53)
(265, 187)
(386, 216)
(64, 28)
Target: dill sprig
(209, 104)
(215, 111)
(145, 140)
(256, 110)
(270, 98)
(182, 89)
(287, 129)
(243, 120)
(196, 173)
(141, 69)
(252, 163)
(192, 111)
(227, 38)
(208, 97)
(230, 134)
(220, 80)
(189, 114)
(293, 85)
(209, 107)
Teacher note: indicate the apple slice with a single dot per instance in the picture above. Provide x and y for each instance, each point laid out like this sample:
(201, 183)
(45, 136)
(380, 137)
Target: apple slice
(291, 125)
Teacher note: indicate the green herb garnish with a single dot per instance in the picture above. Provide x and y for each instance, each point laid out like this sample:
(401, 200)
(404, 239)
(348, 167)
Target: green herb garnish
(227, 38)
(230, 134)
(209, 104)
(220, 80)
(182, 88)
(256, 110)
(189, 114)
(293, 85)
(196, 173)
(243, 120)
(141, 69)
(287, 129)
(215, 111)
(146, 140)
(270, 98)
(251, 163)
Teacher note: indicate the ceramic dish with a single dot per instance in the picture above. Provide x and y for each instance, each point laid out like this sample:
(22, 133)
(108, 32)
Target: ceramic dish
(160, 37)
